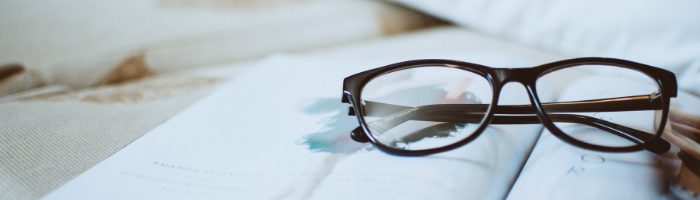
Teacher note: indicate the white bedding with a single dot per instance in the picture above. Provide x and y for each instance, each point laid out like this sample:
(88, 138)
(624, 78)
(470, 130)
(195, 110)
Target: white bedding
(665, 34)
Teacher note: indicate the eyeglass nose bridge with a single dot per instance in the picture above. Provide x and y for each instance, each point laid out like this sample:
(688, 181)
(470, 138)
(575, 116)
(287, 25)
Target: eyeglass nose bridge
(526, 76)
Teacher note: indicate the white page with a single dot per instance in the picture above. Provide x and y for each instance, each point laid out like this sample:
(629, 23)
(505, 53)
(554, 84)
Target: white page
(246, 141)
(557, 170)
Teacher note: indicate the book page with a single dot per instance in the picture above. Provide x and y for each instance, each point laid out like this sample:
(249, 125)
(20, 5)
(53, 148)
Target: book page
(281, 132)
(558, 170)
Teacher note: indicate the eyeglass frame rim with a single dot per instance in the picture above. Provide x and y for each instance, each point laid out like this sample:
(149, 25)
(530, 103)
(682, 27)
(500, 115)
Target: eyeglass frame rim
(499, 77)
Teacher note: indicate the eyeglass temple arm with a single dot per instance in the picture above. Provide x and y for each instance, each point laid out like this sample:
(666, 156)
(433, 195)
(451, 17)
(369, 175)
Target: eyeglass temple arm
(459, 113)
(631, 103)
(637, 136)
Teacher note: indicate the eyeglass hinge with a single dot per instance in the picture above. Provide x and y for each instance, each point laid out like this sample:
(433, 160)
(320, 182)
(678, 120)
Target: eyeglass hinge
(351, 110)
(654, 95)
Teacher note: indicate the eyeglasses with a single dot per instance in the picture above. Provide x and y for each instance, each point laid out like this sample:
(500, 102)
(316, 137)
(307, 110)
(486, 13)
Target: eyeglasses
(423, 107)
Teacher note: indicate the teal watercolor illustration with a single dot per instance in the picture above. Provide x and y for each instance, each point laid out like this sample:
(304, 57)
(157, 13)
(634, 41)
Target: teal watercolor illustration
(334, 137)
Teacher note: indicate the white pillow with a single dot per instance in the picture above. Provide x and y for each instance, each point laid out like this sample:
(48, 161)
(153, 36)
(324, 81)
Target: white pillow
(662, 33)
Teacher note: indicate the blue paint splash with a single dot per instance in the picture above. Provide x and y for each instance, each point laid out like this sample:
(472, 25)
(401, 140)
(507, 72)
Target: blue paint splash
(334, 137)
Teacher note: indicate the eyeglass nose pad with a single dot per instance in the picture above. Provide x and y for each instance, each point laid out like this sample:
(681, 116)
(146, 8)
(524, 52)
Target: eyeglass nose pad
(359, 135)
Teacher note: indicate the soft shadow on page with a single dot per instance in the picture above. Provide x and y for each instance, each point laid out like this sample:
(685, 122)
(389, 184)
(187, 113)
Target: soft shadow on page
(557, 170)
(281, 132)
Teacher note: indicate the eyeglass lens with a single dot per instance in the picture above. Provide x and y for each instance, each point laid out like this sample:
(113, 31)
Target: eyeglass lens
(403, 108)
(620, 124)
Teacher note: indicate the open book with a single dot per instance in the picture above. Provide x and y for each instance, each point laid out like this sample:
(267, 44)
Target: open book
(281, 132)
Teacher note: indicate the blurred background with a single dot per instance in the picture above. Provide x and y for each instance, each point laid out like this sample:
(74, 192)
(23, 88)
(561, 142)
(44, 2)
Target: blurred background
(76, 44)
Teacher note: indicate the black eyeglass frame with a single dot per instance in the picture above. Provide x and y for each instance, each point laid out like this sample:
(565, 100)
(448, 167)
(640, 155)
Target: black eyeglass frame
(497, 78)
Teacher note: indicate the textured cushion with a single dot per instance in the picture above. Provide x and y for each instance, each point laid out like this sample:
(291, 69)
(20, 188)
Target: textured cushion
(79, 43)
